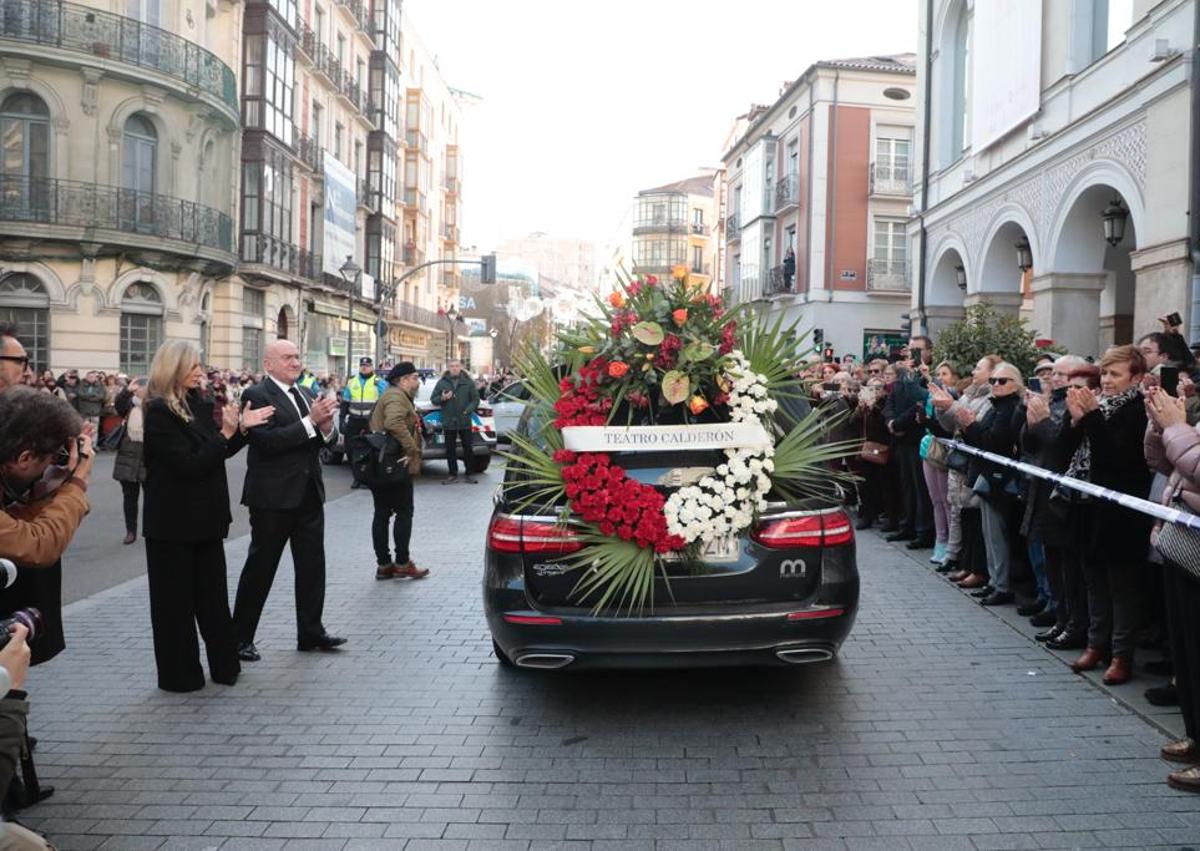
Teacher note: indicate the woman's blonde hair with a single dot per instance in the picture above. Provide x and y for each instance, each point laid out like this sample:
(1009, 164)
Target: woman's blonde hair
(1016, 373)
(172, 363)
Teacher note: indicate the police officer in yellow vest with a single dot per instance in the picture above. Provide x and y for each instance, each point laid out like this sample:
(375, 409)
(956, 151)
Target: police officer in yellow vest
(359, 396)
(309, 382)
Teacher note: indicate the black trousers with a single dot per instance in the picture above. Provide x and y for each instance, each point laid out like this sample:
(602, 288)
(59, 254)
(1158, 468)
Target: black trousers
(452, 436)
(1116, 601)
(918, 510)
(270, 531)
(392, 500)
(1064, 570)
(129, 494)
(1183, 626)
(188, 589)
(973, 556)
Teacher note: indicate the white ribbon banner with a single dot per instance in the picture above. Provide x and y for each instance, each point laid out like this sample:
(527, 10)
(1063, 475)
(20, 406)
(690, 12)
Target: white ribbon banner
(1134, 503)
(660, 438)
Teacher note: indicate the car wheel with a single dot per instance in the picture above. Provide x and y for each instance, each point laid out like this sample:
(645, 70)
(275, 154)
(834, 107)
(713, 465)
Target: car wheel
(329, 456)
(481, 464)
(501, 656)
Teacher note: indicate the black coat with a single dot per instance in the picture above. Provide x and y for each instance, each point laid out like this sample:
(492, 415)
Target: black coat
(904, 403)
(997, 433)
(187, 495)
(1046, 445)
(1114, 534)
(283, 459)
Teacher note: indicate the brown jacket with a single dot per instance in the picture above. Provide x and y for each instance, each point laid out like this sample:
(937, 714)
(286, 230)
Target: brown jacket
(396, 415)
(35, 535)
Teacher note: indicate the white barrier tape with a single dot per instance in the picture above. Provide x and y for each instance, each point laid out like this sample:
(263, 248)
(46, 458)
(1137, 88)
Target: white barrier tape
(1142, 506)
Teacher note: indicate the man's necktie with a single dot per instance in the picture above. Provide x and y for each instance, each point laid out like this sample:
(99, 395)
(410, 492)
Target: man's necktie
(300, 403)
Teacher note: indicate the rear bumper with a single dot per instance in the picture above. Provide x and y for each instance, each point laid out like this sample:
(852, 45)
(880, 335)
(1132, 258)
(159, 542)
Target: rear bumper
(746, 636)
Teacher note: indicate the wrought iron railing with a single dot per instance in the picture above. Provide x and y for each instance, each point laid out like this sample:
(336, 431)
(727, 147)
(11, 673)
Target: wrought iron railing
(787, 191)
(309, 266)
(362, 15)
(84, 29)
(409, 312)
(660, 224)
(310, 43)
(698, 229)
(888, 275)
(890, 180)
(268, 251)
(776, 283)
(92, 205)
(307, 149)
(733, 227)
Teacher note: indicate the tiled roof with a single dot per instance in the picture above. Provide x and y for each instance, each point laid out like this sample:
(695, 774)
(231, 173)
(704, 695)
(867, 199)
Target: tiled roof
(905, 63)
(700, 185)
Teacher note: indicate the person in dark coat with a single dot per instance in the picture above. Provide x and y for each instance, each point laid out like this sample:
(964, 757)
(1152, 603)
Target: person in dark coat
(1108, 433)
(907, 398)
(880, 489)
(187, 518)
(130, 468)
(456, 394)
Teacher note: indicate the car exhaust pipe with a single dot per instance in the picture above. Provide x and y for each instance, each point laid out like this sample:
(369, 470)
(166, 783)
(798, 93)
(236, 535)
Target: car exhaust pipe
(544, 661)
(803, 655)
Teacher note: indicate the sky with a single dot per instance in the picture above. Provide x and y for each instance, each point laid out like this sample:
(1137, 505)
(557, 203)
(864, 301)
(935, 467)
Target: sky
(585, 103)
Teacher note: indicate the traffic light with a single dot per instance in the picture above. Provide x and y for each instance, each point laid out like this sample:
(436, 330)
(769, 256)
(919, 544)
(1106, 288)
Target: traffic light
(818, 336)
(905, 325)
(487, 274)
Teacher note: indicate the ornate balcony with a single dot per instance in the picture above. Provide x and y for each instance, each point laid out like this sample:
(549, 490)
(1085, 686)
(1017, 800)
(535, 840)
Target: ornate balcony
(660, 225)
(263, 250)
(119, 40)
(309, 266)
(888, 276)
(406, 311)
(890, 180)
(787, 192)
(197, 229)
(698, 229)
(733, 228)
(309, 152)
(775, 283)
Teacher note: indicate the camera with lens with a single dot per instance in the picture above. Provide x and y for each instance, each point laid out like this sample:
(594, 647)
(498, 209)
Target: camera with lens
(29, 618)
(63, 458)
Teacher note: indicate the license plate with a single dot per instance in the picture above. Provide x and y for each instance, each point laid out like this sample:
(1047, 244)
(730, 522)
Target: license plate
(719, 551)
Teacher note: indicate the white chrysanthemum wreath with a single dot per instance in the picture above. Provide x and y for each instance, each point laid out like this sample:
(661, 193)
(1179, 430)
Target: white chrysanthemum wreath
(724, 504)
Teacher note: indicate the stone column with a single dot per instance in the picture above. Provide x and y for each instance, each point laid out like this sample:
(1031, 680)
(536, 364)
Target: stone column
(1066, 309)
(1003, 302)
(1164, 285)
(937, 316)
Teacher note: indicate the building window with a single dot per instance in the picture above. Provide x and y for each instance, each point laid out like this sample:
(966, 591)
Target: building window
(697, 258)
(286, 10)
(267, 211)
(793, 157)
(662, 210)
(697, 216)
(141, 328)
(139, 159)
(319, 24)
(269, 75)
(891, 243)
(340, 51)
(960, 112)
(892, 158)
(25, 303)
(252, 348)
(1110, 20)
(25, 151)
(254, 302)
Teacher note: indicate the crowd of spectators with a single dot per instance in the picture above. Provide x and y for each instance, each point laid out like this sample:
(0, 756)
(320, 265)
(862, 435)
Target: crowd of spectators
(1092, 575)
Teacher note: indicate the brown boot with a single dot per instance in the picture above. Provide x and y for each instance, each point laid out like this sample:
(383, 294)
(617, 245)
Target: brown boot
(1119, 672)
(975, 580)
(1185, 750)
(385, 571)
(1187, 780)
(1090, 660)
(958, 575)
(410, 571)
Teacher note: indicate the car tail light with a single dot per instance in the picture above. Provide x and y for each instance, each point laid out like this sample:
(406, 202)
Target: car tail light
(824, 528)
(533, 620)
(515, 535)
(814, 614)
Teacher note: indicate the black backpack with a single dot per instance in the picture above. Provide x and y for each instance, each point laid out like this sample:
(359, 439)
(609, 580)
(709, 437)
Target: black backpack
(377, 459)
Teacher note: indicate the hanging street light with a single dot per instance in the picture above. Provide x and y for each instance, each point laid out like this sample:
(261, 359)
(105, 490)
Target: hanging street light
(350, 272)
(1114, 216)
(1024, 255)
(960, 277)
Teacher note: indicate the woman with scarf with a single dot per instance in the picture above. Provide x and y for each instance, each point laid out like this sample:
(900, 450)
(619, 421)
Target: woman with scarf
(1107, 432)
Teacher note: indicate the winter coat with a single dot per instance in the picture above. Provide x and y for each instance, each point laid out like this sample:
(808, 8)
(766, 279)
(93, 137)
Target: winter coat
(130, 464)
(997, 433)
(1043, 445)
(1175, 452)
(90, 401)
(456, 411)
(906, 399)
(396, 415)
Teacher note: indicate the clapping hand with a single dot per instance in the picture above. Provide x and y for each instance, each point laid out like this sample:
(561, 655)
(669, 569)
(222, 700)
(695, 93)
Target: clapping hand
(322, 412)
(1080, 402)
(230, 417)
(254, 417)
(942, 400)
(1165, 410)
(964, 417)
(1036, 408)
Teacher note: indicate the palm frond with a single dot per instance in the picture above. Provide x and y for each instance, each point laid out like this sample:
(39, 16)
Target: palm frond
(773, 350)
(533, 476)
(805, 459)
(616, 573)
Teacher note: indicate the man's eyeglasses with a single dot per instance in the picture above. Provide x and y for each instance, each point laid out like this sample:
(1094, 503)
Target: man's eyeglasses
(23, 360)
(1000, 380)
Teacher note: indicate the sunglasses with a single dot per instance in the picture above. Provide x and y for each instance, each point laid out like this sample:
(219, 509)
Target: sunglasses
(23, 360)
(1001, 380)
(874, 371)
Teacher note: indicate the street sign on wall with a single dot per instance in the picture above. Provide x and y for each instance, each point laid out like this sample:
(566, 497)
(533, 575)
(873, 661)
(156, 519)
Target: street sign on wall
(341, 203)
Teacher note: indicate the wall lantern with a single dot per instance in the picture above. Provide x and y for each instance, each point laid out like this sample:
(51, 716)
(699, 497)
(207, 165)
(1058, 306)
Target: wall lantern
(1024, 255)
(1114, 217)
(960, 276)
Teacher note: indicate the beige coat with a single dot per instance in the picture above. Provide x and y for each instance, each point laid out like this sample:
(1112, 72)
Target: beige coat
(396, 415)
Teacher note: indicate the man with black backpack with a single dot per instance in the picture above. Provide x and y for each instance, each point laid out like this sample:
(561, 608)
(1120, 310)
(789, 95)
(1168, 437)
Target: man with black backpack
(396, 415)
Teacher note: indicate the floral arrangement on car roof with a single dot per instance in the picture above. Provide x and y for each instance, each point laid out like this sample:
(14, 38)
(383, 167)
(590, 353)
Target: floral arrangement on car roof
(664, 353)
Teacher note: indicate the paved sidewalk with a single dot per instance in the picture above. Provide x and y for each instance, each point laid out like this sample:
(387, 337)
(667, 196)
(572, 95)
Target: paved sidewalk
(940, 727)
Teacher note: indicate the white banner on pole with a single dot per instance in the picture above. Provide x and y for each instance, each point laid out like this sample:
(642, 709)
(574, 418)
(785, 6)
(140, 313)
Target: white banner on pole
(659, 438)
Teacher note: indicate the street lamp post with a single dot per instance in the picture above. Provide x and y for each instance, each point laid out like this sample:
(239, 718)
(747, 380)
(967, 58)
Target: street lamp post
(351, 272)
(452, 316)
(493, 334)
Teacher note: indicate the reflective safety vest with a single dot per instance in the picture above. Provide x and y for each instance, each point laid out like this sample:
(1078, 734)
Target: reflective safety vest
(309, 383)
(362, 395)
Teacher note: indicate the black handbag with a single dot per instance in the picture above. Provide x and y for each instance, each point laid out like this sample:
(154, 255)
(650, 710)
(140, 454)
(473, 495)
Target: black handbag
(377, 459)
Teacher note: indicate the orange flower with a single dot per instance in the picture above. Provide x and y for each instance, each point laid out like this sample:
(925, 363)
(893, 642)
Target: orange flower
(618, 368)
(680, 316)
(679, 272)
(698, 404)
(616, 298)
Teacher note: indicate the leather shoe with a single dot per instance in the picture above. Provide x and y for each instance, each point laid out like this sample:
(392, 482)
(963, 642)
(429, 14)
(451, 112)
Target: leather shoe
(321, 642)
(247, 652)
(1185, 750)
(900, 535)
(985, 591)
(1066, 641)
(385, 571)
(1089, 660)
(1026, 610)
(1045, 617)
(997, 598)
(958, 575)
(1167, 695)
(1119, 672)
(975, 580)
(1047, 636)
(1187, 780)
(130, 537)
(921, 544)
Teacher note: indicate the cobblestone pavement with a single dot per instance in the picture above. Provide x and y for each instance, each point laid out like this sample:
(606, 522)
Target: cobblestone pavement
(939, 727)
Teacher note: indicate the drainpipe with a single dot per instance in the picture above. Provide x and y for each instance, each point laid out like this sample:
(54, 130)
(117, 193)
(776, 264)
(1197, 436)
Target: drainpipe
(922, 254)
(1194, 179)
(831, 221)
(812, 122)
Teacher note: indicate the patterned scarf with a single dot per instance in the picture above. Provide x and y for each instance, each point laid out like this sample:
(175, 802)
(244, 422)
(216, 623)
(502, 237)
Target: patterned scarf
(1081, 461)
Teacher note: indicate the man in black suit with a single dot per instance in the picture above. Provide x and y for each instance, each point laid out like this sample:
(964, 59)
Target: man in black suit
(285, 494)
